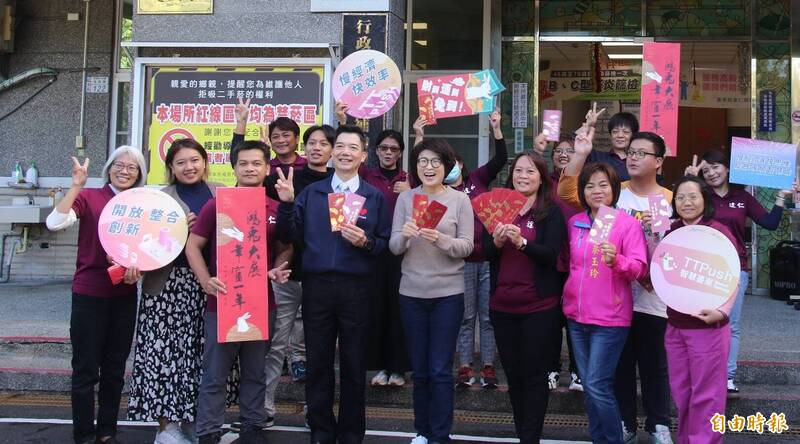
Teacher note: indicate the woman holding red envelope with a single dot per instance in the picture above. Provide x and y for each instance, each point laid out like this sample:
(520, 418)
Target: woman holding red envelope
(434, 238)
(604, 259)
(525, 292)
(103, 314)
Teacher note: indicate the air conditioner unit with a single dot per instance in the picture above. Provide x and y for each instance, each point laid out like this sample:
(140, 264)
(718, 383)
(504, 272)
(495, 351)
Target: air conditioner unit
(8, 9)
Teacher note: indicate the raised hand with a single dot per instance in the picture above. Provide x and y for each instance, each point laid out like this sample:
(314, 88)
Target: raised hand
(540, 143)
(593, 114)
(419, 127)
(583, 142)
(694, 169)
(341, 112)
(494, 121)
(242, 111)
(80, 172)
(285, 185)
(280, 274)
(401, 186)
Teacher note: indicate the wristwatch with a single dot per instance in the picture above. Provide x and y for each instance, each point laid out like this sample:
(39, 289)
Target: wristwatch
(524, 244)
(368, 244)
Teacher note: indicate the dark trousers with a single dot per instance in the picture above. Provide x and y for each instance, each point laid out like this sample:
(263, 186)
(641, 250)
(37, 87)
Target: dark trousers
(525, 365)
(386, 347)
(555, 360)
(218, 358)
(432, 327)
(645, 349)
(336, 306)
(101, 332)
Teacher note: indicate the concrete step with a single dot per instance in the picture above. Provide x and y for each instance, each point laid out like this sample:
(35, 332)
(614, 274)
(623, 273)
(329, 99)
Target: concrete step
(43, 364)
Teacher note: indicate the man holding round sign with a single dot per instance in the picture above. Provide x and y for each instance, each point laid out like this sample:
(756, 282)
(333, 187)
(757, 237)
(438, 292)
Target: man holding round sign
(699, 286)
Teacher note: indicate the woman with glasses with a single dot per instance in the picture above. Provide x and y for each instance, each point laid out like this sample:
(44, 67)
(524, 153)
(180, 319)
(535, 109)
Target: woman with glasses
(733, 205)
(432, 286)
(597, 298)
(697, 345)
(169, 333)
(103, 314)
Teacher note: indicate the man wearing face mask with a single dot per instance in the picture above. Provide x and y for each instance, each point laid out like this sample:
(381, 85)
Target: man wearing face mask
(476, 269)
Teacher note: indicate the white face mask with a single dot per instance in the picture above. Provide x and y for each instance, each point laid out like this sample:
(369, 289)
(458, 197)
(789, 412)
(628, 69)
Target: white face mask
(453, 175)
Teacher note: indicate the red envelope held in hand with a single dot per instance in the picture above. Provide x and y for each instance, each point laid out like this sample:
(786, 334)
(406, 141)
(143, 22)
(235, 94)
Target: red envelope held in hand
(419, 205)
(601, 227)
(336, 210)
(426, 108)
(353, 203)
(117, 273)
(497, 207)
(432, 216)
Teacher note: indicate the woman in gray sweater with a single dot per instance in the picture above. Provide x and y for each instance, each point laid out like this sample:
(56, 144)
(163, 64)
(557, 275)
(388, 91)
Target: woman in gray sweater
(432, 286)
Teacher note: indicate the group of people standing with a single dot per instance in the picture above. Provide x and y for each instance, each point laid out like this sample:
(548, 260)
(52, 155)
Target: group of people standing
(391, 296)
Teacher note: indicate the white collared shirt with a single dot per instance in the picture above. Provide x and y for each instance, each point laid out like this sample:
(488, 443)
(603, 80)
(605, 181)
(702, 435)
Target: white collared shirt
(339, 185)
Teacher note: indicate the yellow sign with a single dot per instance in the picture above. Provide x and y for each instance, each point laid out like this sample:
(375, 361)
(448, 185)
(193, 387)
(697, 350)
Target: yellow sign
(200, 102)
(175, 7)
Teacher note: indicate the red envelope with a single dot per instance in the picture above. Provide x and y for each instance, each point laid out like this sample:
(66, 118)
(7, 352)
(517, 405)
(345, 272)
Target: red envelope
(602, 225)
(498, 207)
(353, 203)
(426, 108)
(433, 215)
(117, 273)
(661, 210)
(336, 210)
(419, 205)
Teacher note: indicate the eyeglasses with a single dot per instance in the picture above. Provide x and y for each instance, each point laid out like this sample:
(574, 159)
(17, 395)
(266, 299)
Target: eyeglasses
(119, 166)
(392, 148)
(689, 197)
(560, 151)
(435, 162)
(641, 154)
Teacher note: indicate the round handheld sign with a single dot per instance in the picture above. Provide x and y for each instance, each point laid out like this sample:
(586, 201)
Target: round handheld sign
(369, 82)
(143, 227)
(695, 268)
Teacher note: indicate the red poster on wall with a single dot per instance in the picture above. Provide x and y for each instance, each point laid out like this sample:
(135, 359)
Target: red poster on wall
(661, 69)
(242, 313)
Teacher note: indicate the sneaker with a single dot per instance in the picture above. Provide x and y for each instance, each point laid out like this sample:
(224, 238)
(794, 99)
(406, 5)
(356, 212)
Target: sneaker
(305, 417)
(552, 380)
(109, 440)
(211, 438)
(381, 378)
(270, 422)
(299, 371)
(732, 389)
(236, 426)
(419, 439)
(488, 377)
(628, 437)
(575, 384)
(661, 435)
(171, 434)
(397, 380)
(466, 376)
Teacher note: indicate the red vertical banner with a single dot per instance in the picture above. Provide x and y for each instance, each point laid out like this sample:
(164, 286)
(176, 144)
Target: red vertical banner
(661, 69)
(242, 313)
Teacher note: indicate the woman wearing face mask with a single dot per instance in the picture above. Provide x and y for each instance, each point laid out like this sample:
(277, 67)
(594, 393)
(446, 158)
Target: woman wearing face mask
(526, 291)
(697, 345)
(732, 206)
(597, 298)
(432, 286)
(103, 314)
(476, 269)
(169, 348)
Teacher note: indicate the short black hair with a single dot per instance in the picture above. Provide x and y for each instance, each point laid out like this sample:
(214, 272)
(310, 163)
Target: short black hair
(655, 139)
(390, 134)
(586, 174)
(623, 119)
(438, 146)
(328, 130)
(249, 145)
(353, 129)
(284, 124)
(705, 190)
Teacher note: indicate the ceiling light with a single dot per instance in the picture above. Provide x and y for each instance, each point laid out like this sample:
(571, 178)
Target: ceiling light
(625, 56)
(421, 42)
(621, 44)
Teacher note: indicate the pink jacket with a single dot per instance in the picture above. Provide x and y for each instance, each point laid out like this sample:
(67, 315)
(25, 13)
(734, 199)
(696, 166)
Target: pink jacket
(594, 293)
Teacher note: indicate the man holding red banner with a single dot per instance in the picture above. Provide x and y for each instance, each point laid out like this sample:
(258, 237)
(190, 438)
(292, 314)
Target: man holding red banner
(337, 285)
(251, 166)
